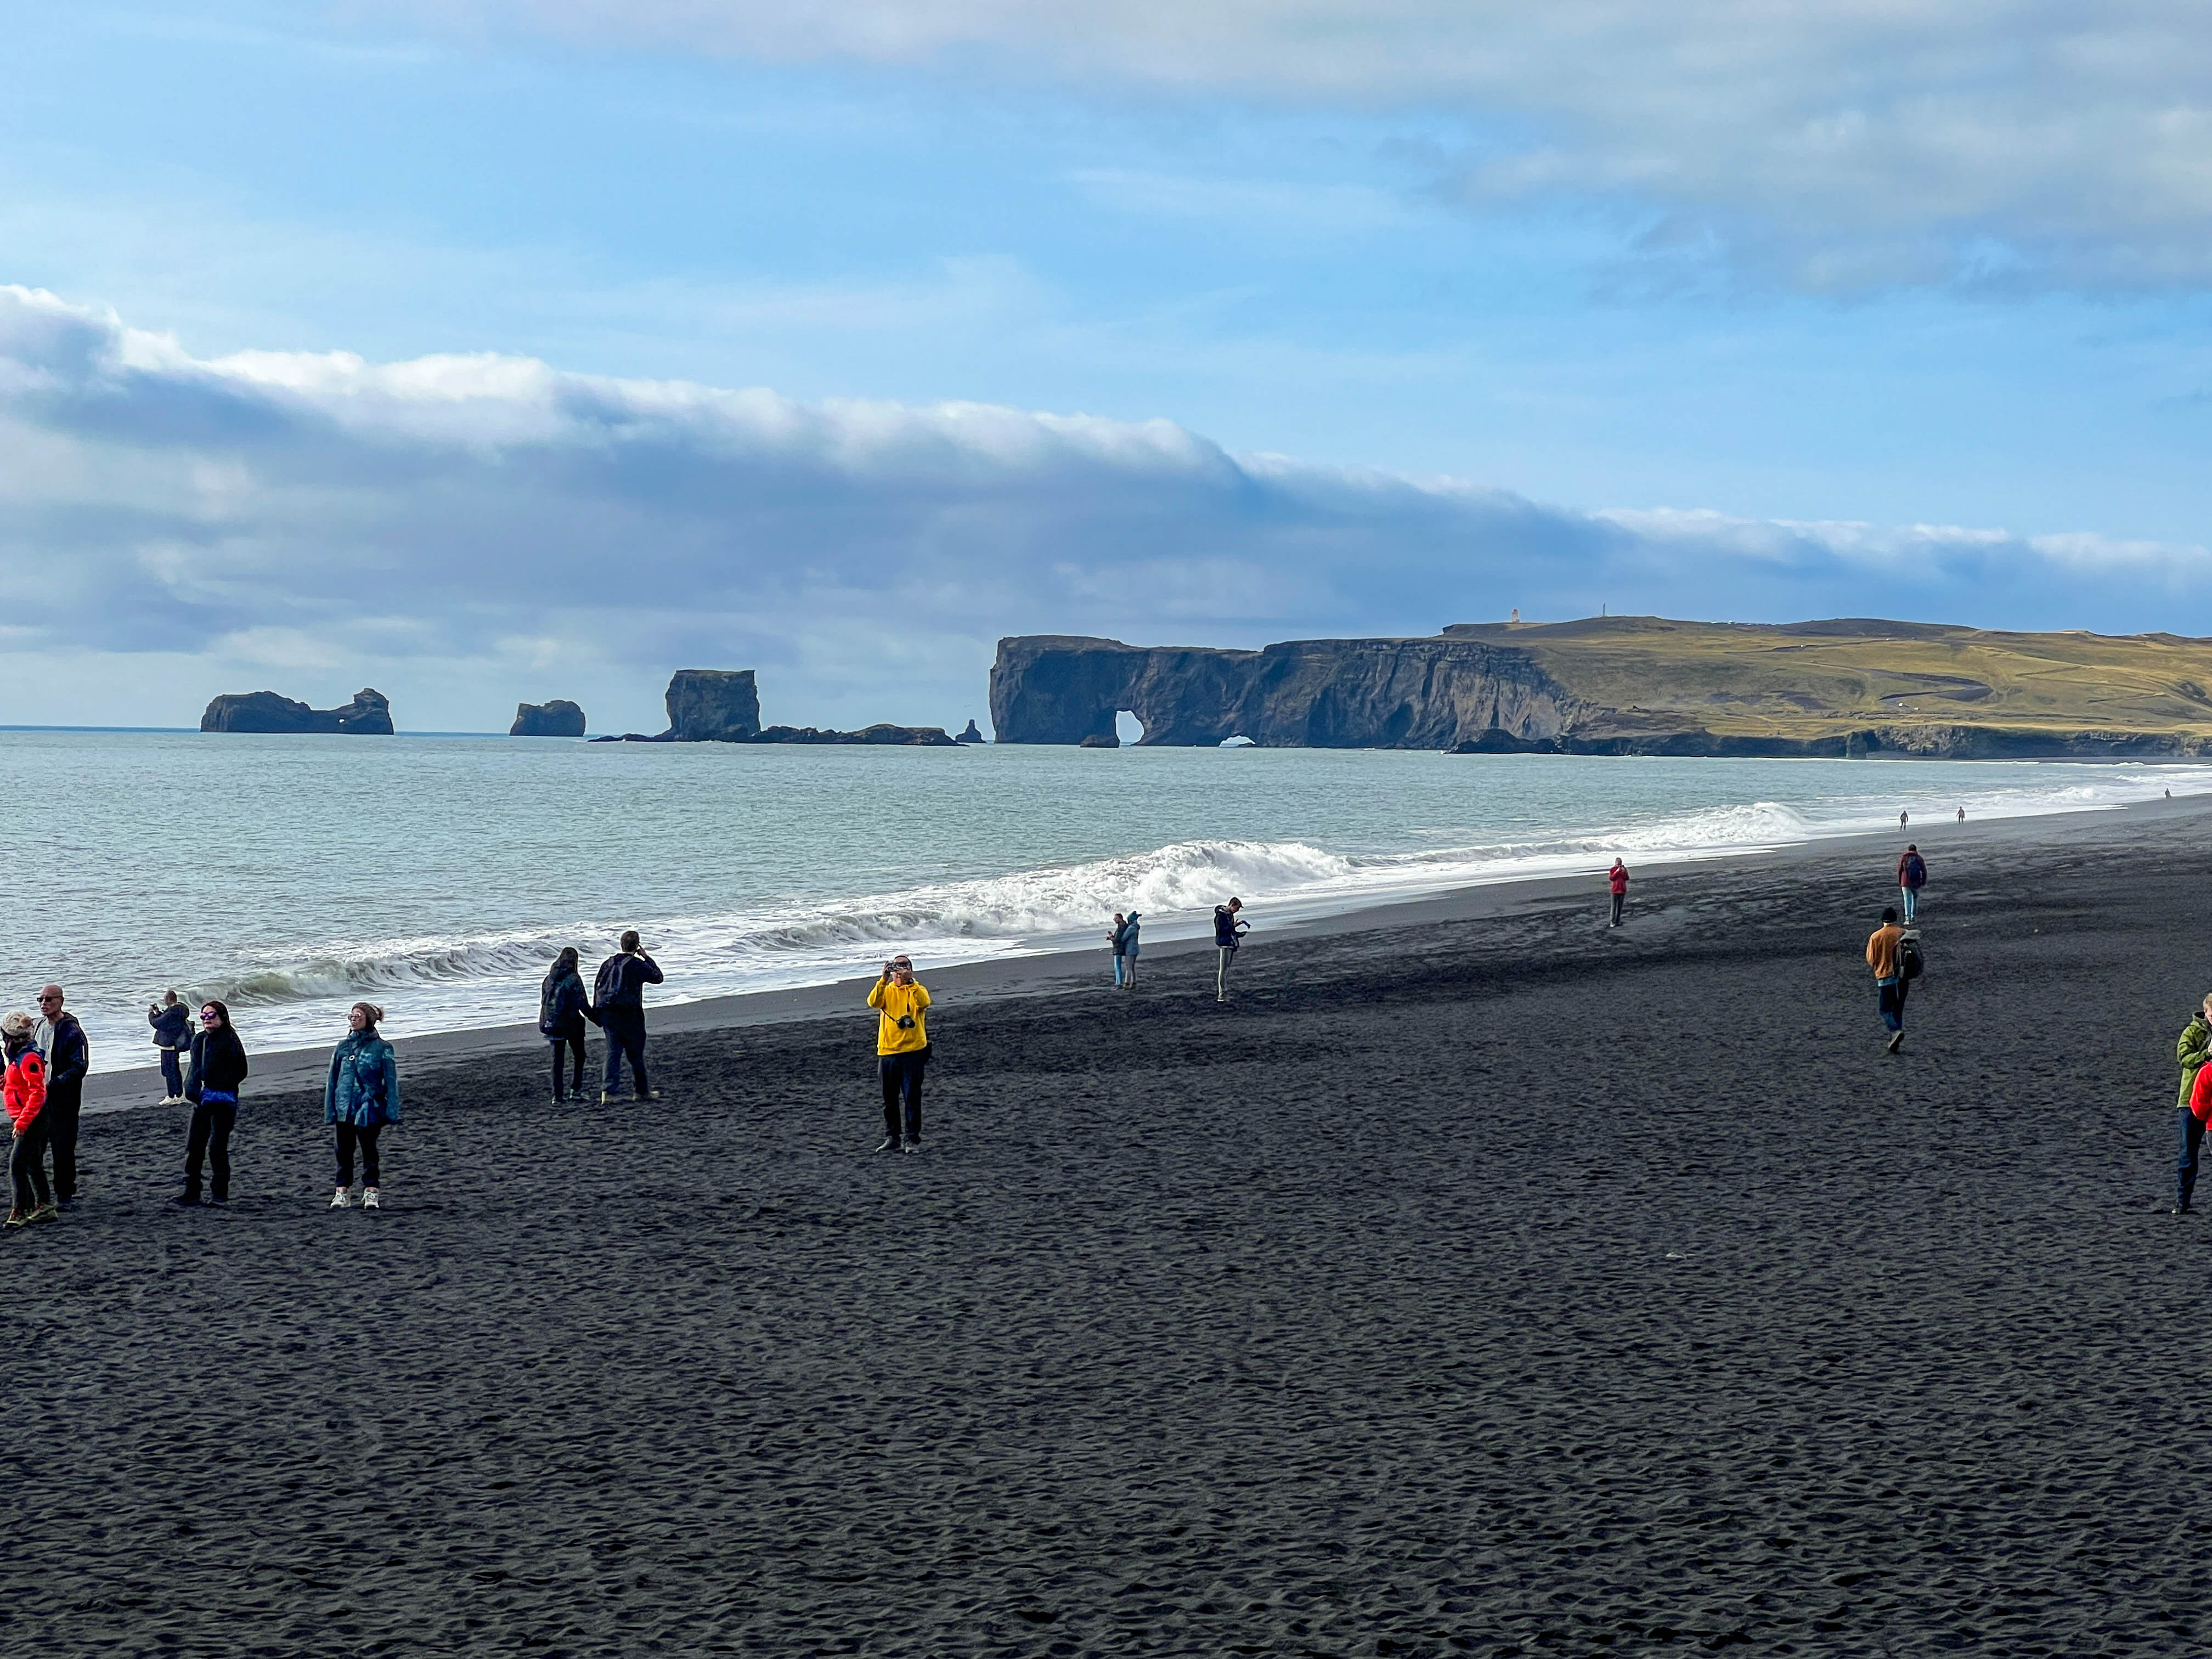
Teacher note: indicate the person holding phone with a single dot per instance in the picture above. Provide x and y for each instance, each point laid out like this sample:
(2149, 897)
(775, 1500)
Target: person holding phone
(618, 1006)
(902, 1006)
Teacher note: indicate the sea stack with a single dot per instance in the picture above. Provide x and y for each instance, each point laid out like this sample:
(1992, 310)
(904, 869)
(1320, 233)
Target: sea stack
(368, 715)
(713, 705)
(971, 735)
(558, 718)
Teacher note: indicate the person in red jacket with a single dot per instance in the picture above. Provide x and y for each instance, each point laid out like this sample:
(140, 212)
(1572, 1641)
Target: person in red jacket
(1617, 878)
(24, 1093)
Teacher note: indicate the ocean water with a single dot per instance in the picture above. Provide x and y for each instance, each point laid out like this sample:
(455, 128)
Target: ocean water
(438, 875)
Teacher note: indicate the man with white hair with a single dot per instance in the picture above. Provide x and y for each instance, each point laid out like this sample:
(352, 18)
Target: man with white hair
(68, 1057)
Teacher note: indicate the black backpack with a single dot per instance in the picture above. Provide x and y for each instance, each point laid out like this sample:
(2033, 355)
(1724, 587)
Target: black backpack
(1910, 962)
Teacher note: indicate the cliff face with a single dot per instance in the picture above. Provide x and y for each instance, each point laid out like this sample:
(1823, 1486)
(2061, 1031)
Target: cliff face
(713, 705)
(558, 718)
(1314, 694)
(369, 714)
(1635, 685)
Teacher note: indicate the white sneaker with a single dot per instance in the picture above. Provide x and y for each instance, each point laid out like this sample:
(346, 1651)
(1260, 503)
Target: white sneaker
(341, 1199)
(368, 1198)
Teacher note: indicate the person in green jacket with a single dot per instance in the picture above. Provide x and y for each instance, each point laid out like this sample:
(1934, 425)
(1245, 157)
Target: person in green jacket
(2192, 1054)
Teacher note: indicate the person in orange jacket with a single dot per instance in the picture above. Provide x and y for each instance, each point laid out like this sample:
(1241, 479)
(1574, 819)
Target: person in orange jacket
(24, 1093)
(1884, 957)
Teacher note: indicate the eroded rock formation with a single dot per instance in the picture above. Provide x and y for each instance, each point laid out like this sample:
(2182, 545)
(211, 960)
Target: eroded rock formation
(971, 735)
(558, 718)
(713, 705)
(369, 714)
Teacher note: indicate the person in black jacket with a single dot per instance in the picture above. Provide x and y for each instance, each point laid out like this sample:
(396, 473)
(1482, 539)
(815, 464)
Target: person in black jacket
(618, 1006)
(561, 1004)
(218, 1067)
(68, 1057)
(1228, 933)
(173, 1035)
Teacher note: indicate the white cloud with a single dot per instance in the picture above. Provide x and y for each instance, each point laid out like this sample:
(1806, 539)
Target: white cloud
(464, 532)
(1834, 144)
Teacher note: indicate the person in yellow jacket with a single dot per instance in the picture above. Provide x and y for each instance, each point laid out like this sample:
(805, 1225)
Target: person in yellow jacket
(902, 1006)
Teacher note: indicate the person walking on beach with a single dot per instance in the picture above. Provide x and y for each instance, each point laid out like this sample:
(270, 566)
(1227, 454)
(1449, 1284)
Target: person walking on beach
(1617, 879)
(1228, 930)
(218, 1067)
(618, 1006)
(902, 1006)
(2191, 1053)
(1885, 955)
(23, 1091)
(68, 1057)
(1903, 819)
(1119, 939)
(1129, 929)
(361, 1097)
(562, 1001)
(173, 1035)
(1912, 877)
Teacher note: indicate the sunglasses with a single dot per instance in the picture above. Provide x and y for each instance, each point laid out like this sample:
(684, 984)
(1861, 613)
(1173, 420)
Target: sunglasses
(209, 1019)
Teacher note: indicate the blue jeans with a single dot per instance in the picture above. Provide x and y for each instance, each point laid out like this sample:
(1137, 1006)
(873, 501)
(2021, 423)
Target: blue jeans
(2189, 1136)
(1890, 997)
(625, 1029)
(172, 1075)
(1911, 902)
(1120, 965)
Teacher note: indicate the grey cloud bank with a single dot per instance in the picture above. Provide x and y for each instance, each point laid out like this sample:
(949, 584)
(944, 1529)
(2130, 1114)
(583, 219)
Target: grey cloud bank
(465, 533)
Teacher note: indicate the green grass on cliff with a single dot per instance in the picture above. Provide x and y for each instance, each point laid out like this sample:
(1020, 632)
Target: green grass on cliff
(1816, 679)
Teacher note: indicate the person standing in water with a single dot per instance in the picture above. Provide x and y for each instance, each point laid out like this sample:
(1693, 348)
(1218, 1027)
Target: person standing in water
(1617, 879)
(902, 1006)
(361, 1097)
(23, 1091)
(1228, 932)
(618, 1005)
(218, 1067)
(562, 1001)
(1912, 877)
(173, 1035)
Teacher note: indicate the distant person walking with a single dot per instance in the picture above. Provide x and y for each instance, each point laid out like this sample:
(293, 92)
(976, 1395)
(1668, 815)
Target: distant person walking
(1962, 815)
(2191, 1053)
(24, 1093)
(361, 1097)
(1885, 955)
(1912, 877)
(562, 1002)
(1118, 936)
(902, 1006)
(1903, 819)
(68, 1057)
(173, 1035)
(1617, 879)
(218, 1067)
(618, 1006)
(1129, 930)
(1228, 930)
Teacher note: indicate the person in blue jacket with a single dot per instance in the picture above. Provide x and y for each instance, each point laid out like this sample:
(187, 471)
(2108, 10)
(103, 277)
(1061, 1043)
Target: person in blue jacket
(562, 1001)
(361, 1097)
(1129, 951)
(173, 1035)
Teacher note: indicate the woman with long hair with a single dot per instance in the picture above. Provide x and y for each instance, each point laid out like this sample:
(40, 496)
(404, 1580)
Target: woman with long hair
(218, 1067)
(361, 1097)
(561, 1004)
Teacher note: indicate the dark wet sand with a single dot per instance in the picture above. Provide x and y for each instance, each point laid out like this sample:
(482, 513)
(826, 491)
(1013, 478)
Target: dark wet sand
(1488, 1287)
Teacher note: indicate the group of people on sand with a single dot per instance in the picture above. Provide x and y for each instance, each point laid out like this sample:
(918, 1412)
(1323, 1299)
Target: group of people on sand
(1892, 950)
(1229, 930)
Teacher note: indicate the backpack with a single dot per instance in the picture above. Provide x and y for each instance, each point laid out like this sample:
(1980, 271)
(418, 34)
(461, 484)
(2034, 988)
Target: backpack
(1910, 962)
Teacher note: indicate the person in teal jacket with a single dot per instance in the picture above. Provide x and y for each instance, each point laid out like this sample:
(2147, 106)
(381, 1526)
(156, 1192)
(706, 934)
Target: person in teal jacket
(361, 1097)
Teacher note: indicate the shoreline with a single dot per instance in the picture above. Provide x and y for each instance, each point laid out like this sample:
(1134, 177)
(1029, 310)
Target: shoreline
(1066, 972)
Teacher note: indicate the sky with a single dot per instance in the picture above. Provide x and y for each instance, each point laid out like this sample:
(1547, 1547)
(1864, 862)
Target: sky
(497, 351)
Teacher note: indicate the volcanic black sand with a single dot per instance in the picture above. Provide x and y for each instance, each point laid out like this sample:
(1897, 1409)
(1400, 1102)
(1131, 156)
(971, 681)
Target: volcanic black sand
(1498, 1287)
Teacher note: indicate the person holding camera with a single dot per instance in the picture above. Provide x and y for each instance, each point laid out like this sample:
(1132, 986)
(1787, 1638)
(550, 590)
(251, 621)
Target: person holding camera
(618, 1007)
(173, 1035)
(901, 1003)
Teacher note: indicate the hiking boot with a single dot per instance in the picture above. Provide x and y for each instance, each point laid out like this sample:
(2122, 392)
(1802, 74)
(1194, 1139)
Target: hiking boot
(890, 1144)
(341, 1199)
(368, 1199)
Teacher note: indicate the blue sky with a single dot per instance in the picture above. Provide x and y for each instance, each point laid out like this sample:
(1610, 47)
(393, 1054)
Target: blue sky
(1370, 318)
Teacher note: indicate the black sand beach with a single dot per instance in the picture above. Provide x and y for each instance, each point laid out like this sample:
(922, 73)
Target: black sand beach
(1495, 1285)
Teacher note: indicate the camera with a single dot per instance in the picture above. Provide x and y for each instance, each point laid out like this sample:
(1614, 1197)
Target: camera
(905, 1022)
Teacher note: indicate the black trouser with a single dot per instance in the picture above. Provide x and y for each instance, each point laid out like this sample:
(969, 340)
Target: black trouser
(625, 1029)
(1618, 899)
(26, 1167)
(901, 1075)
(173, 1074)
(348, 1138)
(63, 1102)
(573, 1045)
(212, 1122)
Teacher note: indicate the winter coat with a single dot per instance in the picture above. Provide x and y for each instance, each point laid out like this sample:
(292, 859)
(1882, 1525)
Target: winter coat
(619, 985)
(1129, 935)
(172, 1027)
(2190, 1053)
(1617, 878)
(561, 1004)
(25, 1090)
(69, 1056)
(1912, 870)
(363, 1090)
(1226, 927)
(218, 1062)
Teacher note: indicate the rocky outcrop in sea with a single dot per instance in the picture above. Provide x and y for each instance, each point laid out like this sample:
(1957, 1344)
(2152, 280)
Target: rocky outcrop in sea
(558, 718)
(369, 714)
